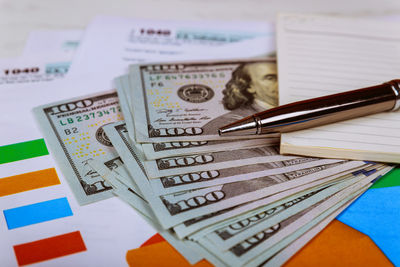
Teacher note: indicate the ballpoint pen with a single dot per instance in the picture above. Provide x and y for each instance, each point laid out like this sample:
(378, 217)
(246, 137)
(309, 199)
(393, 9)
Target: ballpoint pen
(318, 111)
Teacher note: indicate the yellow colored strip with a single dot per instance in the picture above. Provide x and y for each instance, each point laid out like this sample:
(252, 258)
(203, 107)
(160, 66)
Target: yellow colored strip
(28, 181)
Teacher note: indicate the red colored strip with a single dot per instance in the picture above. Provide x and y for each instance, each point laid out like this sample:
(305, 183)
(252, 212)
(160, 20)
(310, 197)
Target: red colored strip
(154, 239)
(49, 248)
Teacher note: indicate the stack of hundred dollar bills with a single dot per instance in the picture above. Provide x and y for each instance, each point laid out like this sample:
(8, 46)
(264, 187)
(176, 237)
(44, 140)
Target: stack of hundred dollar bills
(154, 143)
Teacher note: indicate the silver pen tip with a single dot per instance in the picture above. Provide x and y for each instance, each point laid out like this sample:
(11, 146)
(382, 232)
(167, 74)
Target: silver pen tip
(243, 127)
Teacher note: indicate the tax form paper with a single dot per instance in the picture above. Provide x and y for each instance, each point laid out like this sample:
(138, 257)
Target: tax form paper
(110, 44)
(322, 55)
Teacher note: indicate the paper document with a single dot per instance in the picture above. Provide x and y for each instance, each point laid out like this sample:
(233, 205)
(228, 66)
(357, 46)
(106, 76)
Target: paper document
(325, 55)
(17, 126)
(123, 41)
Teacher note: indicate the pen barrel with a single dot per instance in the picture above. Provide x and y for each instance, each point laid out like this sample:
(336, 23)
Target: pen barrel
(328, 109)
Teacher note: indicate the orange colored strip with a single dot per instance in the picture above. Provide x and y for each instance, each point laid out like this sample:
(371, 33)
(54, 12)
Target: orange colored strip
(49, 248)
(160, 254)
(339, 245)
(28, 181)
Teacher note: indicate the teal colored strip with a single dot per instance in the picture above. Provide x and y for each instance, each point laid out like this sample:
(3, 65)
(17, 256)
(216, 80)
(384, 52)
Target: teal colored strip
(37, 213)
(24, 150)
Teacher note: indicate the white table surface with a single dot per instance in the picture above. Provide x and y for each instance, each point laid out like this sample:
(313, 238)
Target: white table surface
(19, 17)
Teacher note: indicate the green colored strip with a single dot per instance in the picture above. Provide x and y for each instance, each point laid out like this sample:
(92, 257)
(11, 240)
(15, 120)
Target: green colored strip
(24, 150)
(389, 180)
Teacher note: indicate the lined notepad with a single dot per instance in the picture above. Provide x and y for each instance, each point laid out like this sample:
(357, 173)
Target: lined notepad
(322, 55)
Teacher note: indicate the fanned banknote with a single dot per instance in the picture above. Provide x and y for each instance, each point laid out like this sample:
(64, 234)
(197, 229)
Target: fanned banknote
(73, 131)
(190, 101)
(214, 160)
(169, 149)
(195, 180)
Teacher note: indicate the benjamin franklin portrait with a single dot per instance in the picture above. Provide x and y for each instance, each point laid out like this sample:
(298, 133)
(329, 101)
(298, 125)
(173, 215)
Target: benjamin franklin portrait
(253, 88)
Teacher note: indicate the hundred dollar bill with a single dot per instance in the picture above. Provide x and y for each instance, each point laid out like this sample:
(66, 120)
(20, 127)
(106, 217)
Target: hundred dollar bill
(215, 160)
(232, 234)
(262, 243)
(170, 149)
(195, 180)
(73, 130)
(174, 209)
(173, 149)
(189, 101)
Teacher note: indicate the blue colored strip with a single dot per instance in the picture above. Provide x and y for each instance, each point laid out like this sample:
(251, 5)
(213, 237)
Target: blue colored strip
(376, 213)
(37, 213)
